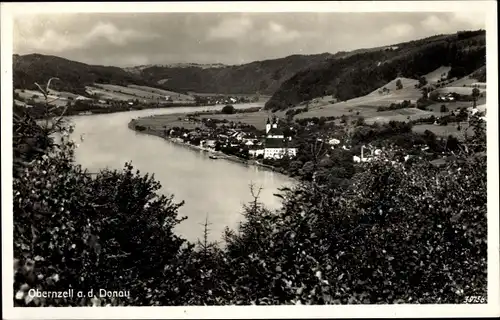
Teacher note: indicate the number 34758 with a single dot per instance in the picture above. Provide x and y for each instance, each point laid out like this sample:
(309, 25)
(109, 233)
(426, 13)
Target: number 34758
(475, 299)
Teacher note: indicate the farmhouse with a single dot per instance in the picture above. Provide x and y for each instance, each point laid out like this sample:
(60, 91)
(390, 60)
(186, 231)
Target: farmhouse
(82, 98)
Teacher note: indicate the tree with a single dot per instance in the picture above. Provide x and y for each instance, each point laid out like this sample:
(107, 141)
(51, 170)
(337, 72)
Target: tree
(422, 81)
(315, 245)
(73, 229)
(360, 121)
(475, 95)
(399, 84)
(434, 95)
(228, 109)
(443, 108)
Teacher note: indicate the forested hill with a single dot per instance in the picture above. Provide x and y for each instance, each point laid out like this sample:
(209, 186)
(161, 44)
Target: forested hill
(262, 76)
(259, 76)
(359, 74)
(31, 68)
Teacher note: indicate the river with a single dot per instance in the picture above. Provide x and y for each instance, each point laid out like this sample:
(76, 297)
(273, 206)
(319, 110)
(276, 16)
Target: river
(213, 188)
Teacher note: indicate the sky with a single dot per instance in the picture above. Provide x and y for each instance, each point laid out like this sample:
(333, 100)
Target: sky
(126, 39)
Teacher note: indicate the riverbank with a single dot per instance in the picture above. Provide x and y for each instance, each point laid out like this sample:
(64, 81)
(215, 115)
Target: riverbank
(218, 154)
(37, 111)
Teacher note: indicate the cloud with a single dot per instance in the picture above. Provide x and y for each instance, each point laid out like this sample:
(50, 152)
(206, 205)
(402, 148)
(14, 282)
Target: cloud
(471, 18)
(61, 40)
(159, 38)
(277, 34)
(233, 29)
(434, 23)
(454, 22)
(400, 30)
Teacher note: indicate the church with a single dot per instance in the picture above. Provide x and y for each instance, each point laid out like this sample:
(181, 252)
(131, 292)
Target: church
(276, 146)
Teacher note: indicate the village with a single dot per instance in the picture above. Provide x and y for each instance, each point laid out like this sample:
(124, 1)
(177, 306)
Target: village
(238, 139)
(241, 141)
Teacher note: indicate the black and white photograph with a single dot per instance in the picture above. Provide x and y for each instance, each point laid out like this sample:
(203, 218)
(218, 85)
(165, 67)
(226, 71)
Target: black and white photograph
(243, 154)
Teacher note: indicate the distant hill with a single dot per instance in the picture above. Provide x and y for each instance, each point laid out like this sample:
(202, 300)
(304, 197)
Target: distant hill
(290, 80)
(262, 76)
(138, 69)
(31, 68)
(355, 75)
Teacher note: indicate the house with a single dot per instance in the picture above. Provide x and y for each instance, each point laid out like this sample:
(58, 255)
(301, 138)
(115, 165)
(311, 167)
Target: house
(363, 158)
(208, 143)
(255, 151)
(82, 98)
(333, 142)
(237, 135)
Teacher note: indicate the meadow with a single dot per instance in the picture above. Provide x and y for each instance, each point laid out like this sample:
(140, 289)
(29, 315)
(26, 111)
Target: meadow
(39, 98)
(159, 122)
(161, 92)
(445, 131)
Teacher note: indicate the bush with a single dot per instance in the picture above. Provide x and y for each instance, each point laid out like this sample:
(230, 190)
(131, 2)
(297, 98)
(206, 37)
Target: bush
(399, 84)
(228, 109)
(383, 240)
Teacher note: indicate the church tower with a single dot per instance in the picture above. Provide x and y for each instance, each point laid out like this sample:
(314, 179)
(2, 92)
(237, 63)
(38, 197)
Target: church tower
(268, 125)
(275, 122)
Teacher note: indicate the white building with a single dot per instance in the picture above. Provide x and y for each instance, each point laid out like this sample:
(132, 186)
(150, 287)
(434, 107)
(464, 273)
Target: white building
(367, 158)
(255, 152)
(276, 146)
(82, 98)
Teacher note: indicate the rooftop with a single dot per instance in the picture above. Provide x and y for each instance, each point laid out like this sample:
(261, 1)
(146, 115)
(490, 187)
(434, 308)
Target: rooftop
(275, 132)
(278, 143)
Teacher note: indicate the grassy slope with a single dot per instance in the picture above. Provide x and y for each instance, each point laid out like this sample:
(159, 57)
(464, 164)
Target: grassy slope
(75, 76)
(436, 75)
(360, 74)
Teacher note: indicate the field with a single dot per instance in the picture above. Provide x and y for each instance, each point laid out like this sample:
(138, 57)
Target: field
(256, 119)
(459, 90)
(407, 90)
(157, 122)
(434, 76)
(161, 92)
(105, 94)
(62, 94)
(366, 105)
(444, 131)
(146, 94)
(456, 105)
(262, 98)
(39, 98)
(399, 115)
